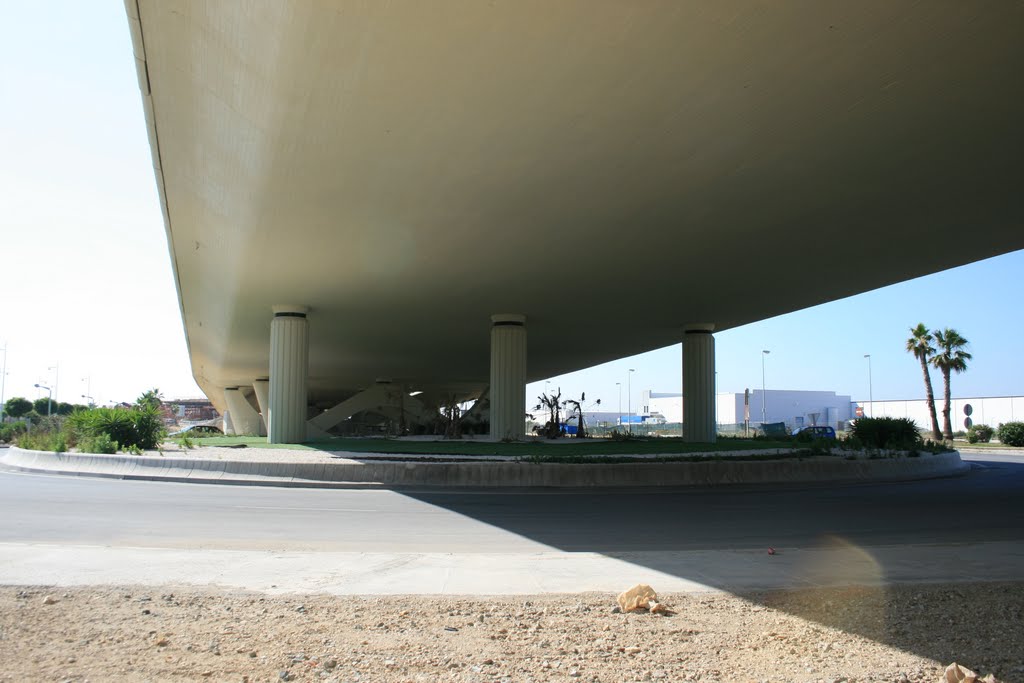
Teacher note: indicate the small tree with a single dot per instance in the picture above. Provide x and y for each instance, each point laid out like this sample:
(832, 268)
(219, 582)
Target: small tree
(18, 407)
(451, 418)
(553, 404)
(574, 410)
(43, 406)
(63, 408)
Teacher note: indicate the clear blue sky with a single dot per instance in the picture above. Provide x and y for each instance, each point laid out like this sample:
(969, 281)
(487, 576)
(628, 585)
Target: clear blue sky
(87, 281)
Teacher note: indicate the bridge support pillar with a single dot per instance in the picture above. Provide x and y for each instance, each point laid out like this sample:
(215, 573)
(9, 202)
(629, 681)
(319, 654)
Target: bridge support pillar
(289, 370)
(699, 384)
(508, 376)
(262, 388)
(244, 418)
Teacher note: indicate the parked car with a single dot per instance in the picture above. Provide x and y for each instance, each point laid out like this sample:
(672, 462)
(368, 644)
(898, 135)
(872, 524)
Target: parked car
(815, 432)
(198, 430)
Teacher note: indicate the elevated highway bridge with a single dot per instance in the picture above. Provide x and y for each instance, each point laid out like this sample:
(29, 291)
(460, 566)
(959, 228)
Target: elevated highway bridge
(460, 196)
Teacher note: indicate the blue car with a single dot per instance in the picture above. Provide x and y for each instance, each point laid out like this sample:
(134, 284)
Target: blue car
(815, 432)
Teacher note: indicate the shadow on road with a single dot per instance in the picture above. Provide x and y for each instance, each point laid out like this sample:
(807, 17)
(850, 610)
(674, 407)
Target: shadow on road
(833, 540)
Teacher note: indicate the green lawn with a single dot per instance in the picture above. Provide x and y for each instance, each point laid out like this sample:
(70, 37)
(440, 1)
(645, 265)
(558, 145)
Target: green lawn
(566, 450)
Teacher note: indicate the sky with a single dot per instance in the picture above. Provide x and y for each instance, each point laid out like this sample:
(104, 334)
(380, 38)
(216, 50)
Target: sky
(88, 304)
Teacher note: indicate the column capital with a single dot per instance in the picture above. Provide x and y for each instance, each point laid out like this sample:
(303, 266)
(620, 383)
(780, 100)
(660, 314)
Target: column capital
(290, 309)
(508, 319)
(699, 328)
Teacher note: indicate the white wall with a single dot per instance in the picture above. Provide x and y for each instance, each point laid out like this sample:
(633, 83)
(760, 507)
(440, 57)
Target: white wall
(985, 410)
(669, 405)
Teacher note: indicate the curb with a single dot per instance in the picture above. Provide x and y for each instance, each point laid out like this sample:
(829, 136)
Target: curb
(487, 474)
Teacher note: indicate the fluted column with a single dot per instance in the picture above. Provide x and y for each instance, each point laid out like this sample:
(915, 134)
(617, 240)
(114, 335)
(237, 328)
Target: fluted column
(699, 385)
(508, 376)
(289, 368)
(244, 419)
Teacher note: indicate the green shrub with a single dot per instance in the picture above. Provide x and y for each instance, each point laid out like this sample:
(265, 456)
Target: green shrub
(979, 433)
(895, 433)
(98, 444)
(10, 431)
(1012, 433)
(130, 427)
(43, 440)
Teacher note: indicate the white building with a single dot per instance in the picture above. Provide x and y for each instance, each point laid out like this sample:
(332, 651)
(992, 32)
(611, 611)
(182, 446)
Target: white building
(795, 408)
(988, 410)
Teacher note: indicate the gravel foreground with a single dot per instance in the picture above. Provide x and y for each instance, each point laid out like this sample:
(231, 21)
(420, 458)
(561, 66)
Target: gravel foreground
(857, 634)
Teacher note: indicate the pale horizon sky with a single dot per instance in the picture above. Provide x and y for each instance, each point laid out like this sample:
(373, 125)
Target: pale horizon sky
(87, 282)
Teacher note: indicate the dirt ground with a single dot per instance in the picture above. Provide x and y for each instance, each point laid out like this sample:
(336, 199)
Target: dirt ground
(896, 633)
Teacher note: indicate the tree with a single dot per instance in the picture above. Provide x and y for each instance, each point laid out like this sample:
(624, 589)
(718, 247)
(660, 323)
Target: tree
(63, 408)
(574, 409)
(17, 407)
(920, 344)
(951, 357)
(152, 399)
(553, 404)
(43, 406)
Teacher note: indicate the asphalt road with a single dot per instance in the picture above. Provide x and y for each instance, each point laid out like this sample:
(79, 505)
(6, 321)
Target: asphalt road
(985, 505)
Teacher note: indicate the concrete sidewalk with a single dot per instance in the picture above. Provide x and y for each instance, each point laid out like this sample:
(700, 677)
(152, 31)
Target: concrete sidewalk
(345, 573)
(337, 472)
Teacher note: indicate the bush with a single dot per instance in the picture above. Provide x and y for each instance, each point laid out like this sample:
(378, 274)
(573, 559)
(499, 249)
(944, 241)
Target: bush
(979, 433)
(98, 444)
(10, 431)
(894, 433)
(139, 428)
(1012, 433)
(43, 439)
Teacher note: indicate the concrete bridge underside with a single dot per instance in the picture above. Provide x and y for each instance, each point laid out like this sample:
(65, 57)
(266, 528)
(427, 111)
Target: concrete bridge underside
(616, 174)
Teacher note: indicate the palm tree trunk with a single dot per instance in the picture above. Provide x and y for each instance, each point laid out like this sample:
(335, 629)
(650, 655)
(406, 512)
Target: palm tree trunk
(930, 395)
(947, 429)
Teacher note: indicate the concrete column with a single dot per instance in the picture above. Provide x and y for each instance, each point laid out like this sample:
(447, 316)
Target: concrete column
(244, 418)
(262, 388)
(699, 384)
(508, 376)
(289, 369)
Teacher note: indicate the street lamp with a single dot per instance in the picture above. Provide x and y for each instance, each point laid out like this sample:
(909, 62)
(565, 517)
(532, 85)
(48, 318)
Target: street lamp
(871, 393)
(90, 399)
(56, 380)
(619, 385)
(629, 397)
(764, 396)
(49, 399)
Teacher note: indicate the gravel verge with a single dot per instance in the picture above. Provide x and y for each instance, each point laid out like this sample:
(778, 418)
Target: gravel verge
(895, 633)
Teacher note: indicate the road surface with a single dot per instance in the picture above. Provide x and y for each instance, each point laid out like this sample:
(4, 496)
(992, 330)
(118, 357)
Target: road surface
(687, 533)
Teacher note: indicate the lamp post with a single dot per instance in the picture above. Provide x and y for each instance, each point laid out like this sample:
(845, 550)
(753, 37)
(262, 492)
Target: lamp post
(871, 393)
(56, 379)
(90, 399)
(764, 396)
(629, 397)
(619, 385)
(49, 399)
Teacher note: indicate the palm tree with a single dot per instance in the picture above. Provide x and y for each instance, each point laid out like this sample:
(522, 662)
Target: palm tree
(150, 399)
(920, 344)
(951, 357)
